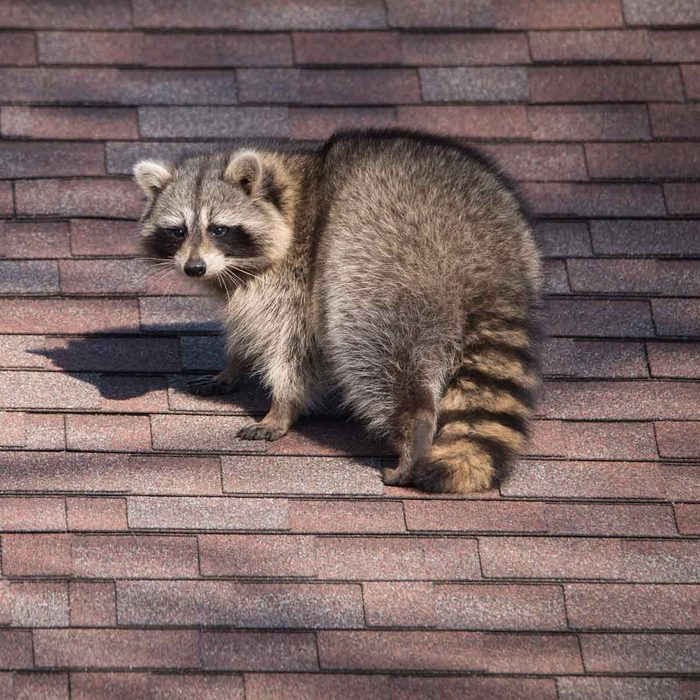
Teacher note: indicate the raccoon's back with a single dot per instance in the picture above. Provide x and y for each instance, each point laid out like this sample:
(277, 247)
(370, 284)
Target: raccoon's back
(415, 216)
(420, 239)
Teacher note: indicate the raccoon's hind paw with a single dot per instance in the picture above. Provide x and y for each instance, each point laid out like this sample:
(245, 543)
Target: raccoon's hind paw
(395, 476)
(210, 385)
(261, 431)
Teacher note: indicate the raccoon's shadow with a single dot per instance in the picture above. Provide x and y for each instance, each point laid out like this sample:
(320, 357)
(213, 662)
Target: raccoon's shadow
(125, 366)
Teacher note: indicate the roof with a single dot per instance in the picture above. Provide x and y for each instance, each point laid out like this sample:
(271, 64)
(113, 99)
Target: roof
(146, 552)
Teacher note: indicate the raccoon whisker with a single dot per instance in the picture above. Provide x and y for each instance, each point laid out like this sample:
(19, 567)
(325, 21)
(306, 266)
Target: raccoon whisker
(158, 262)
(237, 281)
(234, 273)
(155, 275)
(222, 281)
(225, 286)
(234, 277)
(230, 276)
(155, 270)
(222, 278)
(239, 269)
(168, 291)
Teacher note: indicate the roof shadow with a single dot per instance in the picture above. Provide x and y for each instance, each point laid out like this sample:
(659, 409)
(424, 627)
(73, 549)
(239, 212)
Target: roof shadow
(123, 366)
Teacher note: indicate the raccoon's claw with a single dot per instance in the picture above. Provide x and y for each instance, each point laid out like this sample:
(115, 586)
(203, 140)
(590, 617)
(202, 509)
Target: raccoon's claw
(261, 431)
(209, 385)
(395, 476)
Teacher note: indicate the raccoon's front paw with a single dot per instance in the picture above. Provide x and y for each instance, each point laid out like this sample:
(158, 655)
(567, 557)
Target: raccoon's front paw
(395, 476)
(261, 431)
(210, 385)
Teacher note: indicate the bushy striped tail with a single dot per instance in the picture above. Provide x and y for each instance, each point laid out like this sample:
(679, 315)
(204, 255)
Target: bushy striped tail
(484, 415)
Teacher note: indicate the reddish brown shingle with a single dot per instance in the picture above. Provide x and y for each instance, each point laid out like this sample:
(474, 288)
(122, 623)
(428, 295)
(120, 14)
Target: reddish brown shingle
(648, 12)
(606, 84)
(278, 605)
(20, 159)
(592, 440)
(588, 46)
(682, 46)
(69, 123)
(18, 49)
(688, 518)
(648, 160)
(347, 48)
(648, 653)
(329, 686)
(604, 480)
(675, 121)
(92, 604)
(449, 651)
(678, 439)
(80, 14)
(507, 121)
(474, 516)
(456, 49)
(88, 686)
(625, 606)
(609, 519)
(258, 651)
(677, 317)
(87, 648)
(217, 50)
(89, 514)
(16, 649)
(277, 14)
(34, 239)
(336, 516)
(551, 558)
(317, 123)
(606, 122)
(674, 359)
(499, 607)
(109, 433)
(622, 400)
(72, 197)
(90, 48)
(378, 86)
(399, 604)
(682, 198)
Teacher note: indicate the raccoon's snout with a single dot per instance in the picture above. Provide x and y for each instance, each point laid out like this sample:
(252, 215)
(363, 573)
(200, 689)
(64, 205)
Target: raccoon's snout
(195, 268)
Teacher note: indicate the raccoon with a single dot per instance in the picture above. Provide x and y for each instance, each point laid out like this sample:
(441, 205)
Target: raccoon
(393, 269)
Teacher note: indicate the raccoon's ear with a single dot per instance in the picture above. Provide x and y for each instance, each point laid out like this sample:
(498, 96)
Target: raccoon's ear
(246, 170)
(153, 175)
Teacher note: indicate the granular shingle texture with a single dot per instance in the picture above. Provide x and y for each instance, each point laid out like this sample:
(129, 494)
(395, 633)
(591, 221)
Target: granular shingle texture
(147, 553)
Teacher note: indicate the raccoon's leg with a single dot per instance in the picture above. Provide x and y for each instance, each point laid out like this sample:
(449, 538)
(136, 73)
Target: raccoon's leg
(217, 384)
(416, 435)
(274, 425)
(289, 376)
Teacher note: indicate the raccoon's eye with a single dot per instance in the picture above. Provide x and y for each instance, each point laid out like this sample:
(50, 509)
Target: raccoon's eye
(218, 231)
(176, 232)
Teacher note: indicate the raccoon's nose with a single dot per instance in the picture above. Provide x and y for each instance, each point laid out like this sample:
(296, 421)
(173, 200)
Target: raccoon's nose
(195, 268)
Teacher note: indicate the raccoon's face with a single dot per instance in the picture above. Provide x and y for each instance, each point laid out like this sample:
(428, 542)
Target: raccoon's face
(216, 217)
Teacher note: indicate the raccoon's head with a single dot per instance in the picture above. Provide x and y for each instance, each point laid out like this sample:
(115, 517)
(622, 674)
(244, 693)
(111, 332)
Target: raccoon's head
(218, 217)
